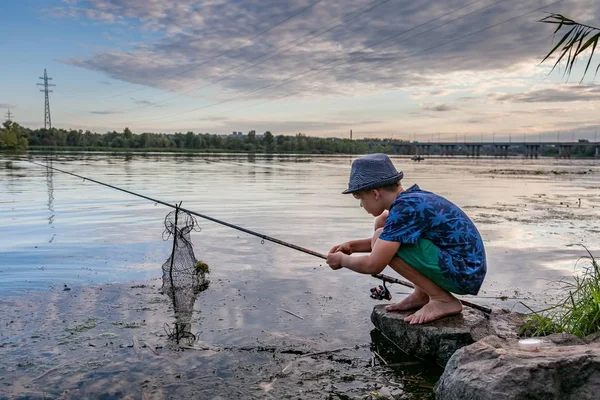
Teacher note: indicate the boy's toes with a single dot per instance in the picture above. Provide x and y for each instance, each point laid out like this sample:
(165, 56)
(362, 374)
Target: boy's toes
(416, 319)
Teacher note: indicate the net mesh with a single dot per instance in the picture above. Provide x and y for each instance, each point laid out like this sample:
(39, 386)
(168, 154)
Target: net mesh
(184, 277)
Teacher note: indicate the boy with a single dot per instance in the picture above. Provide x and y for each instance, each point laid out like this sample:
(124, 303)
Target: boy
(423, 237)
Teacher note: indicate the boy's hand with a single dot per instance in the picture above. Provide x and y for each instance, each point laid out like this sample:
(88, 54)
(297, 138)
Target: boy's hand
(335, 260)
(345, 248)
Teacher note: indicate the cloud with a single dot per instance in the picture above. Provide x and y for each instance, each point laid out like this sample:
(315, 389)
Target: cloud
(146, 103)
(76, 12)
(441, 92)
(439, 108)
(560, 94)
(7, 105)
(192, 51)
(105, 82)
(476, 120)
(106, 112)
(432, 93)
(215, 118)
(538, 111)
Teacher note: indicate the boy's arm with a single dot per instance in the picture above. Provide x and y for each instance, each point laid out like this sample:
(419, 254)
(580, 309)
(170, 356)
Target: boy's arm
(353, 246)
(361, 245)
(374, 263)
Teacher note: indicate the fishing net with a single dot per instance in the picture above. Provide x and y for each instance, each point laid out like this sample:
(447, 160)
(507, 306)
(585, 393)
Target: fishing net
(184, 277)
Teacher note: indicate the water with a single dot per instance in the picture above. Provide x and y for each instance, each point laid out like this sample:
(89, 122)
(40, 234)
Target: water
(59, 230)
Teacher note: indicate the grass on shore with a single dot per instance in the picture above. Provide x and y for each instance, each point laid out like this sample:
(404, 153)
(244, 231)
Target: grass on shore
(578, 312)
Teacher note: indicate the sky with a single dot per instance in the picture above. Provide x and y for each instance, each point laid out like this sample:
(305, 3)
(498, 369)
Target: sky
(402, 69)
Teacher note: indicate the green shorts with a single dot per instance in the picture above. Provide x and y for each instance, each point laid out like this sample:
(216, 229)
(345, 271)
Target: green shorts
(423, 256)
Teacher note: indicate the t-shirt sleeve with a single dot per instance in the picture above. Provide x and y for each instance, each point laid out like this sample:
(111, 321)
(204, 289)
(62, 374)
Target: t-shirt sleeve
(405, 223)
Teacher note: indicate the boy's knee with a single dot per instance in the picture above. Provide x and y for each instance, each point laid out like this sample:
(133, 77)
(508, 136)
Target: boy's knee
(380, 220)
(376, 236)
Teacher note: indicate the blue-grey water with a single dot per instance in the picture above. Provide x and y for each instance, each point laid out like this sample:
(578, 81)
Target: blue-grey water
(58, 230)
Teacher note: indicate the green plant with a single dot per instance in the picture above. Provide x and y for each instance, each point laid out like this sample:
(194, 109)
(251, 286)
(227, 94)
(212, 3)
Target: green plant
(202, 267)
(576, 41)
(578, 313)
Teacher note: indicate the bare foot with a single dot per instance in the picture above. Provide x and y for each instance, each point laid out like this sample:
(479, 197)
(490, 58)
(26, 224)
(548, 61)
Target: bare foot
(435, 309)
(416, 299)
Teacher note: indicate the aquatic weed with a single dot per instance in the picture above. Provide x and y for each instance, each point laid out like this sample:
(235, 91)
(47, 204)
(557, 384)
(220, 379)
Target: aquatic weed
(202, 267)
(89, 323)
(578, 313)
(132, 325)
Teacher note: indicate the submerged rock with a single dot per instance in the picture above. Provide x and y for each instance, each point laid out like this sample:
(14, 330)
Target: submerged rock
(438, 340)
(495, 368)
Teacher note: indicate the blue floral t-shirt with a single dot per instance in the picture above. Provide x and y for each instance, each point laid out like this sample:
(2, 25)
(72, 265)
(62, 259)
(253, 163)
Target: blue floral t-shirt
(419, 214)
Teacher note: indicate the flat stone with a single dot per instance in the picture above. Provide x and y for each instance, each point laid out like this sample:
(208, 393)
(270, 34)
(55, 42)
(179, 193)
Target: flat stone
(438, 340)
(495, 368)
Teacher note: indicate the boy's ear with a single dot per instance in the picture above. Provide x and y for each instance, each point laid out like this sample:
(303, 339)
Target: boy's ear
(376, 193)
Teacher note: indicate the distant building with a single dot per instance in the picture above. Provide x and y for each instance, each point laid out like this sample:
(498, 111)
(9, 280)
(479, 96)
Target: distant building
(233, 134)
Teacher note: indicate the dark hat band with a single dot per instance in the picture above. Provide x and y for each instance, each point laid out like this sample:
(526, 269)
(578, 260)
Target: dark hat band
(377, 184)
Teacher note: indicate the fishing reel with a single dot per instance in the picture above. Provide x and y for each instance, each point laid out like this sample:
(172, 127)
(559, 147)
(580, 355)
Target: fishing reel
(381, 293)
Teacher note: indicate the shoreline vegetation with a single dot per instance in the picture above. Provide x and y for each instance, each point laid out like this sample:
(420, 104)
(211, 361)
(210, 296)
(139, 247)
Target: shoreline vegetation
(14, 137)
(578, 311)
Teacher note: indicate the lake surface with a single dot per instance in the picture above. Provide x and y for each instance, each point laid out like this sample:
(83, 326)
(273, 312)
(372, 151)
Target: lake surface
(107, 247)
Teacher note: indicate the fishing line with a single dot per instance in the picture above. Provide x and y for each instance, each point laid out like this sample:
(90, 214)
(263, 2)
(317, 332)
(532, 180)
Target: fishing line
(383, 277)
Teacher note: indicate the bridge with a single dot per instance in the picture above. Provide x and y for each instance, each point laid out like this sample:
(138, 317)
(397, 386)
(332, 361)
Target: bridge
(475, 149)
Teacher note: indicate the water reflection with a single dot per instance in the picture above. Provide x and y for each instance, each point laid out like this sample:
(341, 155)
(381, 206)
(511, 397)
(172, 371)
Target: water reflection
(50, 185)
(414, 376)
(184, 277)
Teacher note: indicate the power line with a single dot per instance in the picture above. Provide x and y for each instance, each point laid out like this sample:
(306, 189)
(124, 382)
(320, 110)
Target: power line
(9, 116)
(46, 85)
(384, 63)
(302, 10)
(291, 79)
(346, 18)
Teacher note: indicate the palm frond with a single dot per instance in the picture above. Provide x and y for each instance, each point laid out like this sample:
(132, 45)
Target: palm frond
(578, 39)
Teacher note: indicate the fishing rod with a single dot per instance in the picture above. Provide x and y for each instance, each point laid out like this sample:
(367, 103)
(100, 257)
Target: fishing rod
(383, 277)
(218, 221)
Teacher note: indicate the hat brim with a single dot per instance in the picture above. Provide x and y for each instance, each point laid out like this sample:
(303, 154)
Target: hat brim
(373, 185)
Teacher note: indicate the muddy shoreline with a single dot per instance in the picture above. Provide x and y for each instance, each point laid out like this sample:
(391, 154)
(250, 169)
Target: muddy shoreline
(111, 341)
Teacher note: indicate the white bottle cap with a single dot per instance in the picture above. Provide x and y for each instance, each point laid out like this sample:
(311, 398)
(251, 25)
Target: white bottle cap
(530, 344)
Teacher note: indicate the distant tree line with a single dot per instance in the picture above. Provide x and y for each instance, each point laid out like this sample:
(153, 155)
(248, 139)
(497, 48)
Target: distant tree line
(15, 137)
(251, 142)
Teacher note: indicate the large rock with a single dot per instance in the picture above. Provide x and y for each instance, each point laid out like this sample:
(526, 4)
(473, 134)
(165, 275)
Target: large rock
(495, 368)
(438, 340)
